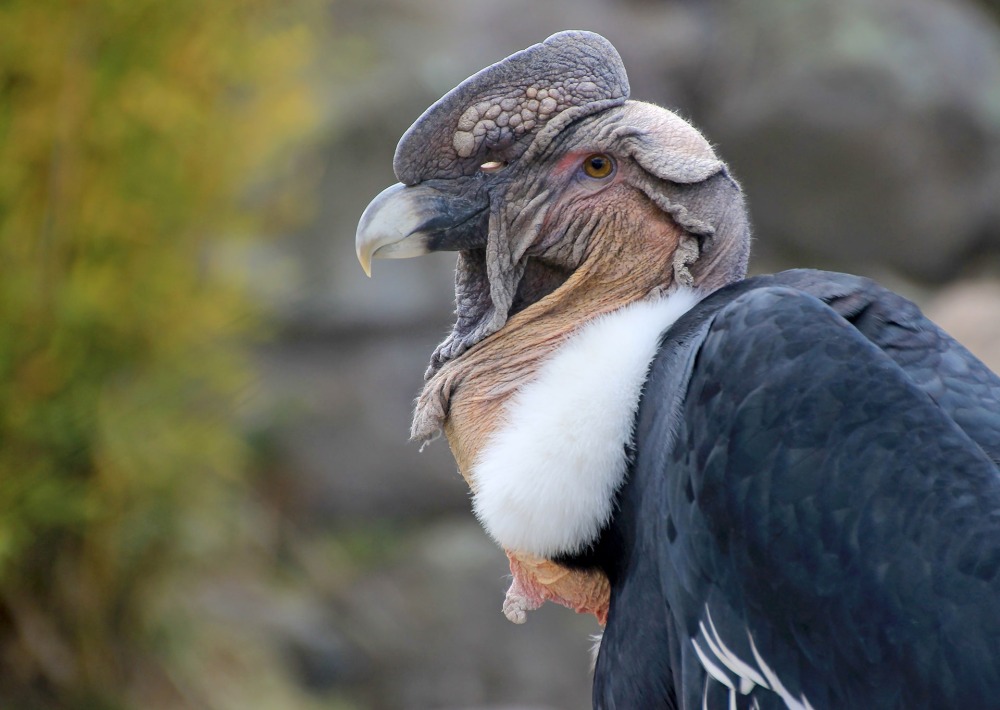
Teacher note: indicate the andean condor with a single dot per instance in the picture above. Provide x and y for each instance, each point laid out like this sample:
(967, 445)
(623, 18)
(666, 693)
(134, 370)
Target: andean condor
(776, 492)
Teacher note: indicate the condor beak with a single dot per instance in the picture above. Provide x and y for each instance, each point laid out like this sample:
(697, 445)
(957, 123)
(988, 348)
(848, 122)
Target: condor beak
(412, 220)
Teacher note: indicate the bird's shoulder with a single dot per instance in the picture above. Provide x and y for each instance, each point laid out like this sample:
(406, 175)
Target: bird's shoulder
(818, 496)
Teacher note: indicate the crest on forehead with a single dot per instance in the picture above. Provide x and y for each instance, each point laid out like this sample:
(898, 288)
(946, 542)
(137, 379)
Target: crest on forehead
(497, 113)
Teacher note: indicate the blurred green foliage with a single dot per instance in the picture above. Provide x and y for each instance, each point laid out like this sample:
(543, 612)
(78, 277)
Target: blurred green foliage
(131, 134)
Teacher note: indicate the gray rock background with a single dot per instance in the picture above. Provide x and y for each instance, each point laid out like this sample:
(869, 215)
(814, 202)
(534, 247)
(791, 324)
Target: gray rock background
(867, 136)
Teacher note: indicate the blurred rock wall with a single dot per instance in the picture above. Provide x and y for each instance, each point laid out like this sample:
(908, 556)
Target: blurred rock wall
(867, 136)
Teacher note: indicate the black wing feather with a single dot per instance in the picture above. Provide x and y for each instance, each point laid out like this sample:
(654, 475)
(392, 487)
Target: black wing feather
(934, 361)
(815, 490)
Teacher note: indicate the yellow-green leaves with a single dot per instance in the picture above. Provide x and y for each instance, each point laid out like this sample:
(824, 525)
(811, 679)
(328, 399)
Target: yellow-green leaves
(135, 135)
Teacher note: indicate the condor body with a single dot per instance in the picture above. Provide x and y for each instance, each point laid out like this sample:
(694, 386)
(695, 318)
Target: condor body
(775, 492)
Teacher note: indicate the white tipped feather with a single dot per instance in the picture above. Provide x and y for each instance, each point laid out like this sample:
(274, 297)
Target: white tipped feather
(545, 481)
(595, 649)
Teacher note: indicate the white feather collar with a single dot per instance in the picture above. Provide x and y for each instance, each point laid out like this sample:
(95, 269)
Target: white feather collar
(546, 479)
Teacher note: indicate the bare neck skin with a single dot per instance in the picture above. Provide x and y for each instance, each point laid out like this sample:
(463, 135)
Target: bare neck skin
(474, 387)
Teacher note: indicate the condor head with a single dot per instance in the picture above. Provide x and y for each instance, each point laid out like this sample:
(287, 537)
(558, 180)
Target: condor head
(565, 200)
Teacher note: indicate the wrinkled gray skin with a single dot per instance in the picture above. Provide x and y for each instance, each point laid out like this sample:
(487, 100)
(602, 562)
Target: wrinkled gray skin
(477, 176)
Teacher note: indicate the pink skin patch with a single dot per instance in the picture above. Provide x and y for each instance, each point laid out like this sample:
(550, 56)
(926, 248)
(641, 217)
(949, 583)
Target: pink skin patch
(537, 580)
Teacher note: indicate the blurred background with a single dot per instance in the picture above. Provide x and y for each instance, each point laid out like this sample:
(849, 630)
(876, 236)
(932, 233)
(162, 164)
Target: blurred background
(207, 498)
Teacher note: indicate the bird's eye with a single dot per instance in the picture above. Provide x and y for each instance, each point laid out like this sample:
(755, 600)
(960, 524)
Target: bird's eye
(598, 165)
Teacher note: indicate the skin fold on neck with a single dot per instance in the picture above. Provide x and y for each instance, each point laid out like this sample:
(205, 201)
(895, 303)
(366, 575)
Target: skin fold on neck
(480, 382)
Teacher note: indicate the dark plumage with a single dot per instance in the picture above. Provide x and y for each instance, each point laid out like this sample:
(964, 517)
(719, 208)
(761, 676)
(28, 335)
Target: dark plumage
(827, 484)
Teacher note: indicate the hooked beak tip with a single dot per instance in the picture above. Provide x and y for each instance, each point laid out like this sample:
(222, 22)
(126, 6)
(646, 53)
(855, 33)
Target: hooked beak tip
(366, 263)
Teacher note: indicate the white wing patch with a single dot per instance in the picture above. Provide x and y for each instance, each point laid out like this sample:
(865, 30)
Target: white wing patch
(545, 481)
(791, 702)
(749, 677)
(739, 675)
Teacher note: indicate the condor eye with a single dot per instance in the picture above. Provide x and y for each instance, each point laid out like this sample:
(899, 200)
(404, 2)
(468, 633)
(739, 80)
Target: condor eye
(598, 165)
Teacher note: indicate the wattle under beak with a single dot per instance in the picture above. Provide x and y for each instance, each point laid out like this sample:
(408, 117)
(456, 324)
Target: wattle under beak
(412, 220)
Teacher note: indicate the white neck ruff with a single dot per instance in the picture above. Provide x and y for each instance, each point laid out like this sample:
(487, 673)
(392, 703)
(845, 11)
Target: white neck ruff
(546, 479)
